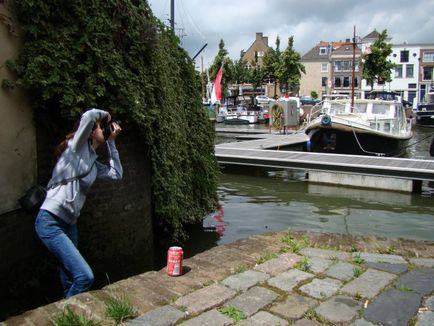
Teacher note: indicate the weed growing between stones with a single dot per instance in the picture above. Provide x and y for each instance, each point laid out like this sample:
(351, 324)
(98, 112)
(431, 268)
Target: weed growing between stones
(70, 318)
(357, 259)
(235, 314)
(119, 309)
(294, 245)
(304, 265)
(357, 272)
(264, 257)
(311, 314)
(404, 288)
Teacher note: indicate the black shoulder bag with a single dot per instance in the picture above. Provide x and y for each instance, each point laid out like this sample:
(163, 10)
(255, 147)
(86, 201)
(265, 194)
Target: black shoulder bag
(33, 198)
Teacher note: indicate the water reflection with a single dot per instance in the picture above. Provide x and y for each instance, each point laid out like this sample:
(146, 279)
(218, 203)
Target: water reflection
(277, 200)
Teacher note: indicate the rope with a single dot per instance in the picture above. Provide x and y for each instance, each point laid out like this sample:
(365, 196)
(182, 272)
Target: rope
(277, 114)
(388, 153)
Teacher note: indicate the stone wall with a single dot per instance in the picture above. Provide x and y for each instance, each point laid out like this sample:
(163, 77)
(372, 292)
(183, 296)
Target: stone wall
(115, 230)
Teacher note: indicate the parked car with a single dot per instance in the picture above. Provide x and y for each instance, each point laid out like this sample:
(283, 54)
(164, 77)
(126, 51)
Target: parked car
(306, 100)
(263, 99)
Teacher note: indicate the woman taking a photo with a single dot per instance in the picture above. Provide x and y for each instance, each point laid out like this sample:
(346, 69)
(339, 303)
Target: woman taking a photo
(73, 175)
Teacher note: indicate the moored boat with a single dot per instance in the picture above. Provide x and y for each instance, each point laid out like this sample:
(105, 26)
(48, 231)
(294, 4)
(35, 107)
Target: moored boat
(370, 127)
(425, 111)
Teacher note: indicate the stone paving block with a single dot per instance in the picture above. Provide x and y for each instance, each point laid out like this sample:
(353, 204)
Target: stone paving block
(205, 298)
(341, 270)
(252, 300)
(425, 319)
(321, 288)
(393, 307)
(339, 309)
(361, 322)
(423, 262)
(209, 318)
(279, 264)
(369, 284)
(319, 265)
(243, 281)
(420, 280)
(387, 267)
(263, 318)
(162, 316)
(429, 303)
(306, 322)
(380, 258)
(288, 280)
(294, 307)
(325, 253)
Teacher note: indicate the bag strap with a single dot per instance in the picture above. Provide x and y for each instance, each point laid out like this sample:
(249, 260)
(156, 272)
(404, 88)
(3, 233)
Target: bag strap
(65, 181)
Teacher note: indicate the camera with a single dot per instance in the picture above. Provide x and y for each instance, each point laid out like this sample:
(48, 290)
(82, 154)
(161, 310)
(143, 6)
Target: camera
(107, 127)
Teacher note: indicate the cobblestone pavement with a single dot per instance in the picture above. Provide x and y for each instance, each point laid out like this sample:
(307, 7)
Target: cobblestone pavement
(277, 279)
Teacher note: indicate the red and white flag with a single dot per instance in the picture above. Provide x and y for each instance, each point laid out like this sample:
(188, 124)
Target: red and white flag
(216, 94)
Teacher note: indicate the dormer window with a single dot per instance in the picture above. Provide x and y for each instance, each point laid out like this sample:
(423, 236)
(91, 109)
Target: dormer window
(323, 50)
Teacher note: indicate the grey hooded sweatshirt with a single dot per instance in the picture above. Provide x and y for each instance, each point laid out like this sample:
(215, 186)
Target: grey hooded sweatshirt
(67, 200)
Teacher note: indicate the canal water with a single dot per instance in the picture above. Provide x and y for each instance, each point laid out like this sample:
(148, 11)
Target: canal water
(257, 201)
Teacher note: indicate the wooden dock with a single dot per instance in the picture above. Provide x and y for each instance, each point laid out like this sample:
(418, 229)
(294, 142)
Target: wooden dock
(356, 170)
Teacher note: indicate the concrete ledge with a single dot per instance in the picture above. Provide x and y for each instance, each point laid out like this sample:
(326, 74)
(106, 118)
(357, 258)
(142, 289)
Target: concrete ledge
(362, 181)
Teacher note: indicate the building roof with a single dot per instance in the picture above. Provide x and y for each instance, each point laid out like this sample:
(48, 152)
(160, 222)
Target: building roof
(373, 35)
(313, 54)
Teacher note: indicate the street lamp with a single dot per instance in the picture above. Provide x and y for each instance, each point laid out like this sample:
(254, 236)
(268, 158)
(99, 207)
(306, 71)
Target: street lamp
(356, 40)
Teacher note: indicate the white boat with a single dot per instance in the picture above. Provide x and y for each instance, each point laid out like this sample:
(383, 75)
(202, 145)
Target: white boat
(370, 127)
(240, 110)
(425, 111)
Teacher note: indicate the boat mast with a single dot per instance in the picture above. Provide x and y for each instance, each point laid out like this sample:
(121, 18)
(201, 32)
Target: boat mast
(354, 68)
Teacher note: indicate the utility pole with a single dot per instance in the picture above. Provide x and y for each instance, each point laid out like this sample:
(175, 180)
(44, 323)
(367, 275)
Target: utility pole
(354, 69)
(172, 15)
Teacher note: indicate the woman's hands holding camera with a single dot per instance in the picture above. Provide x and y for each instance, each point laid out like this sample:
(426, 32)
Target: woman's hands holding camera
(115, 129)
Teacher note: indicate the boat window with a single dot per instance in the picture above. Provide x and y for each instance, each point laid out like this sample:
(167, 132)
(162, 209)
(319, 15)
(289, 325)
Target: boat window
(337, 108)
(360, 107)
(374, 125)
(386, 126)
(380, 109)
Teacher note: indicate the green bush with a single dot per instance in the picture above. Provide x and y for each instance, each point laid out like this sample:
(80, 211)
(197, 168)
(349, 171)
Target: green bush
(116, 55)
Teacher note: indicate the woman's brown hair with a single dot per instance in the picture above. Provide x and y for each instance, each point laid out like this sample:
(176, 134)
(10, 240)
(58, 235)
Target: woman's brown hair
(64, 143)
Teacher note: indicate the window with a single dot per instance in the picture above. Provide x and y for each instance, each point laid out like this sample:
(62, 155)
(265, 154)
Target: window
(411, 85)
(338, 82)
(427, 73)
(324, 81)
(323, 50)
(428, 56)
(409, 71)
(346, 81)
(324, 67)
(398, 71)
(404, 56)
(411, 96)
(343, 65)
(260, 53)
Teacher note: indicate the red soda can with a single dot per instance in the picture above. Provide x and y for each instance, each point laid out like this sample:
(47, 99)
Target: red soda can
(174, 261)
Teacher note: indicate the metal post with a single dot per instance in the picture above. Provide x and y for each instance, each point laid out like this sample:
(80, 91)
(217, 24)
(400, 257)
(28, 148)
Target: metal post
(172, 15)
(353, 70)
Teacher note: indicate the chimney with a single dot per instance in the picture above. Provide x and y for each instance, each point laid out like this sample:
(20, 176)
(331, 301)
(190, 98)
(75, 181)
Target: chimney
(259, 36)
(265, 39)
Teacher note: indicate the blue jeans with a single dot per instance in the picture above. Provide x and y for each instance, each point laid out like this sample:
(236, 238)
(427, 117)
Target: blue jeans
(61, 239)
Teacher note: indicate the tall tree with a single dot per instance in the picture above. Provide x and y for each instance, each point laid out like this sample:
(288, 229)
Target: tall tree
(241, 72)
(256, 75)
(271, 63)
(377, 68)
(290, 68)
(222, 60)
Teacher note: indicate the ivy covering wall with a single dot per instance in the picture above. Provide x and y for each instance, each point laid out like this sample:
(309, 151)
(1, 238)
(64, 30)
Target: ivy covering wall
(115, 55)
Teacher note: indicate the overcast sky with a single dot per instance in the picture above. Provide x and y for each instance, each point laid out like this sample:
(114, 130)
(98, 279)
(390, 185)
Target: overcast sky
(309, 21)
